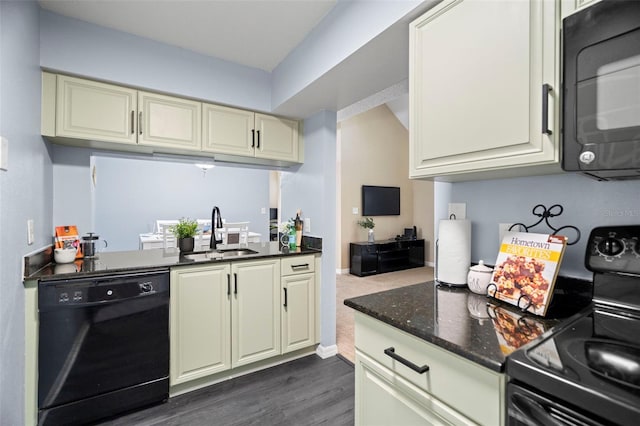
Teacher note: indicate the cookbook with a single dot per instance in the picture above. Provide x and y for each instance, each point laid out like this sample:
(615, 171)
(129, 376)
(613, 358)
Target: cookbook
(526, 270)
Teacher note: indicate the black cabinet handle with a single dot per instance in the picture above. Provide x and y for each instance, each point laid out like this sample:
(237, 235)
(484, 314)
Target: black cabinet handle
(546, 88)
(133, 119)
(301, 266)
(285, 297)
(228, 284)
(235, 283)
(258, 131)
(392, 353)
(140, 122)
(253, 138)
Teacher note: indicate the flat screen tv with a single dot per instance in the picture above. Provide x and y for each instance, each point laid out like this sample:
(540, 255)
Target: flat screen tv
(380, 200)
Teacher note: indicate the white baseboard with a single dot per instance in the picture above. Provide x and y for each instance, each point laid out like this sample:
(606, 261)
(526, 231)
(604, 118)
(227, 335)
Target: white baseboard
(325, 352)
(431, 264)
(342, 271)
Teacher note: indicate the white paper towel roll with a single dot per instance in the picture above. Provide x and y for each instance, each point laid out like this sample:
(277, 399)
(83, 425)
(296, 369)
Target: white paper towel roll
(453, 252)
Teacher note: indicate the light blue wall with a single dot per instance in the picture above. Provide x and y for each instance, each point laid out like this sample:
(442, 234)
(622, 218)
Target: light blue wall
(346, 28)
(312, 188)
(77, 47)
(25, 190)
(587, 203)
(131, 194)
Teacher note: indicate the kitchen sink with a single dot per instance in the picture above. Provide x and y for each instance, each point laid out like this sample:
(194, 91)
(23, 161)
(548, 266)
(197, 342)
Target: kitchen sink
(218, 254)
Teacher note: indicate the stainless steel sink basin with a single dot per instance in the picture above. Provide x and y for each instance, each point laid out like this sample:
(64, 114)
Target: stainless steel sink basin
(218, 254)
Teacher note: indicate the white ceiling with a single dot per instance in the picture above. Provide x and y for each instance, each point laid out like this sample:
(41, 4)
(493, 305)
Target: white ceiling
(256, 33)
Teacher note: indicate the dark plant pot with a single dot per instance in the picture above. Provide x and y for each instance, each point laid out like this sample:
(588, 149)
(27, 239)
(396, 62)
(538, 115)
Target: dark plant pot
(186, 244)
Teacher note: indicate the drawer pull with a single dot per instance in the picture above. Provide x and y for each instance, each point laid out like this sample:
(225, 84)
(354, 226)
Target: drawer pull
(392, 353)
(301, 266)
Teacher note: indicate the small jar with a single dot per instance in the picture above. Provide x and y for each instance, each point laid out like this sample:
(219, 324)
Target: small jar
(479, 277)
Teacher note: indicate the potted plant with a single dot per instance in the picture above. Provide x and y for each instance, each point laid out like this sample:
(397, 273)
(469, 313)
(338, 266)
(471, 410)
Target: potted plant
(185, 231)
(367, 223)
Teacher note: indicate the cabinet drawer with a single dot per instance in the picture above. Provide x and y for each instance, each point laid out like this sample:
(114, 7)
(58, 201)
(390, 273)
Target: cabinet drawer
(297, 265)
(469, 388)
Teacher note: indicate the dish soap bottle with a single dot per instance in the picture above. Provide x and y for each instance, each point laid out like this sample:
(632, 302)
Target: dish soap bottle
(298, 225)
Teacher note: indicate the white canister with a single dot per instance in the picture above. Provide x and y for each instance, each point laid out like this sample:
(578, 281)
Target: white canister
(479, 277)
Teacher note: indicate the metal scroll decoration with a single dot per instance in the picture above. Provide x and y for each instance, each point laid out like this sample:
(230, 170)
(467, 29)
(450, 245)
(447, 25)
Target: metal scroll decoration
(544, 214)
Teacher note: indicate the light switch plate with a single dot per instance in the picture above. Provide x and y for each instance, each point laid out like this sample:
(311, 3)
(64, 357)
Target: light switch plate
(457, 209)
(307, 224)
(4, 153)
(354, 210)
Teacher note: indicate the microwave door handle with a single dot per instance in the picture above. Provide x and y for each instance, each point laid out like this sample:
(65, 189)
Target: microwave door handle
(546, 88)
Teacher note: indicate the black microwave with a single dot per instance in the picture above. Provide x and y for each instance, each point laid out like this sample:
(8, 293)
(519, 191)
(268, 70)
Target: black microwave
(601, 90)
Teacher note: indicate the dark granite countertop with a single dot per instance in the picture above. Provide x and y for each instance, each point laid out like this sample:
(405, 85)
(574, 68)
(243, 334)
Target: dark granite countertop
(476, 327)
(142, 260)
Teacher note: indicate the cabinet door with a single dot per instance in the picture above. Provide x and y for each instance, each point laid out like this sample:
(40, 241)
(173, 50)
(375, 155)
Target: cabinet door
(200, 322)
(228, 130)
(96, 111)
(298, 311)
(477, 71)
(384, 398)
(276, 138)
(255, 311)
(168, 122)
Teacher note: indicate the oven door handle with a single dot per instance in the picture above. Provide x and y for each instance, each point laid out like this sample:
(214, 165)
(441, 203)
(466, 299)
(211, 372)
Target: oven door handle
(533, 411)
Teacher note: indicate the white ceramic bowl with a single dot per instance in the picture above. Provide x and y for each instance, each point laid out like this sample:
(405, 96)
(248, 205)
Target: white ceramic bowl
(64, 255)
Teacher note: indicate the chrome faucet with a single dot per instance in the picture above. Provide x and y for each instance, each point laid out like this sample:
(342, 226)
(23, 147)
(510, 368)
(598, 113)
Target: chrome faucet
(216, 223)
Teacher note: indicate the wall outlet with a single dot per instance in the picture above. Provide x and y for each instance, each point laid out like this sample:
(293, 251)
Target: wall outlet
(307, 225)
(504, 227)
(30, 232)
(457, 209)
(263, 210)
(354, 210)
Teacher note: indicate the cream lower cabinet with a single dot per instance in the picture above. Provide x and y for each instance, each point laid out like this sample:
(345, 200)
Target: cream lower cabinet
(223, 316)
(255, 312)
(238, 132)
(477, 98)
(200, 322)
(453, 391)
(298, 303)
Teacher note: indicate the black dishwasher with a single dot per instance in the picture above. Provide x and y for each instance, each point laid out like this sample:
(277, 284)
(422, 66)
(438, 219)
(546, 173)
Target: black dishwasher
(103, 346)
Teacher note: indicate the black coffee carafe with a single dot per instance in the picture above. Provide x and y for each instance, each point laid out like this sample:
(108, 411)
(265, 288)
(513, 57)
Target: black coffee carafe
(88, 244)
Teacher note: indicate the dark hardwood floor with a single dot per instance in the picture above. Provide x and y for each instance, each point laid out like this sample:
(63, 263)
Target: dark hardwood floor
(306, 391)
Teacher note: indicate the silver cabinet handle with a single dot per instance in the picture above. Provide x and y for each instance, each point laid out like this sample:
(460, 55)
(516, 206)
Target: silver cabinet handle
(546, 88)
(301, 266)
(392, 353)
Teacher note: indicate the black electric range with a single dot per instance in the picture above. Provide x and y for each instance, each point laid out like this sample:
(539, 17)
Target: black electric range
(588, 373)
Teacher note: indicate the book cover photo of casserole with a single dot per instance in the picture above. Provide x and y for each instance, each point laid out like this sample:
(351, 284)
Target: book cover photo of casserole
(526, 269)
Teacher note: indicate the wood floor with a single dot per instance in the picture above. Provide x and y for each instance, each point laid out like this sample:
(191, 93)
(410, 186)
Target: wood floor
(348, 285)
(306, 391)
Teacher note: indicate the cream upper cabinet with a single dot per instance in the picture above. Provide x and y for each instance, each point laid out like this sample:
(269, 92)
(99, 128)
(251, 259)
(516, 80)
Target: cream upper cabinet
(255, 311)
(88, 109)
(298, 302)
(238, 132)
(170, 122)
(200, 322)
(276, 138)
(228, 130)
(478, 103)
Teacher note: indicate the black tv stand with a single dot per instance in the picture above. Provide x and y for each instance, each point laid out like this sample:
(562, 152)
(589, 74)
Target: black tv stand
(385, 256)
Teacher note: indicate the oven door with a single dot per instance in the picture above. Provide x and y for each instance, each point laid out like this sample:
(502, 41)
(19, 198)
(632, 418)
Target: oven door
(601, 103)
(528, 408)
